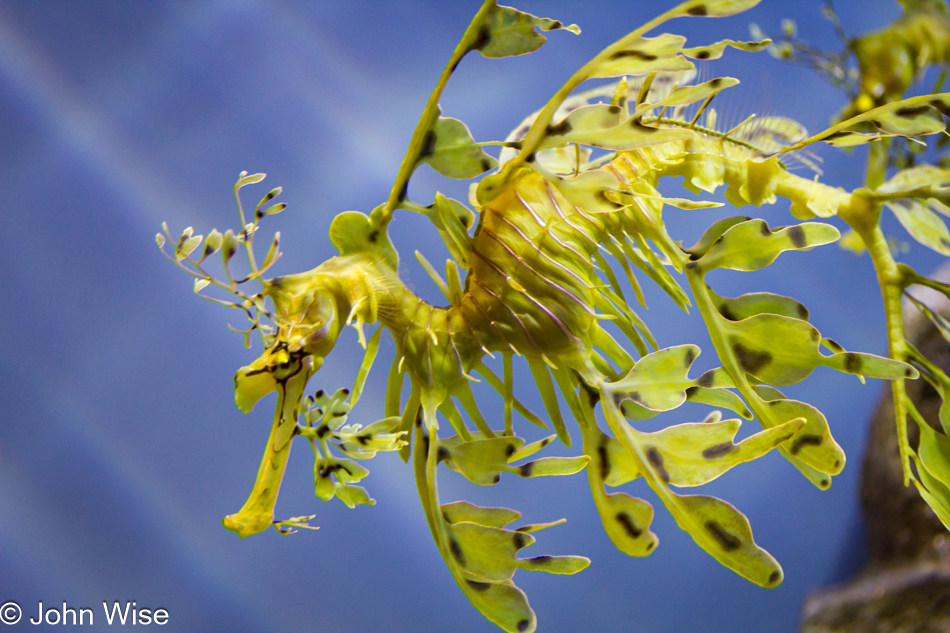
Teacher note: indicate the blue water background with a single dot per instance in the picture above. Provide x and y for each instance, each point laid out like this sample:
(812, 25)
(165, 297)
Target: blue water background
(120, 446)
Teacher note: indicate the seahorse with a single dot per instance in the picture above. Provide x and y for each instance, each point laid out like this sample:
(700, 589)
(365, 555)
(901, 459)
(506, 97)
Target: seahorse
(538, 284)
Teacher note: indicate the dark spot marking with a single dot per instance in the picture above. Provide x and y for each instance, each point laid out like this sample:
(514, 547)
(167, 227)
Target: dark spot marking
(797, 235)
(837, 463)
(509, 450)
(478, 586)
(834, 345)
(647, 57)
(322, 431)
(835, 135)
(802, 312)
(690, 391)
(706, 380)
(750, 359)
(809, 439)
(699, 10)
(639, 127)
(941, 106)
(656, 460)
(484, 37)
(456, 550)
(373, 236)
(442, 454)
(425, 445)
(604, 460)
(627, 523)
(726, 313)
(715, 83)
(530, 158)
(525, 470)
(814, 334)
(593, 395)
(618, 399)
(774, 577)
(690, 357)
(428, 144)
(404, 193)
(908, 372)
(496, 478)
(650, 545)
(523, 626)
(703, 55)
(540, 560)
(718, 450)
(764, 228)
(363, 439)
(691, 265)
(853, 362)
(518, 539)
(319, 393)
(727, 541)
(485, 164)
(560, 129)
(912, 111)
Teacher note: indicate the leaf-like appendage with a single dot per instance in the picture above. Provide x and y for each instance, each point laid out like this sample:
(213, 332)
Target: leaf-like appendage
(547, 466)
(352, 496)
(749, 305)
(643, 55)
(658, 381)
(627, 522)
(713, 233)
(718, 397)
(695, 453)
(482, 554)
(715, 51)
(934, 452)
(725, 533)
(911, 121)
(481, 461)
(685, 95)
(507, 32)
(450, 149)
(486, 553)
(626, 519)
(601, 126)
(814, 445)
(916, 177)
(752, 342)
(715, 525)
(716, 8)
(463, 511)
(922, 223)
(753, 245)
(351, 232)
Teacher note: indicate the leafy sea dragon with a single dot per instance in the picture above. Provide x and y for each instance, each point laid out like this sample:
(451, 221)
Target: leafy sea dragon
(576, 185)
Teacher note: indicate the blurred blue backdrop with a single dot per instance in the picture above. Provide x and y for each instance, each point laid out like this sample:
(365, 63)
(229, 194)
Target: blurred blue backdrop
(120, 446)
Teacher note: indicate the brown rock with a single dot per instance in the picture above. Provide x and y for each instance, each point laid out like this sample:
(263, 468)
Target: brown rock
(906, 584)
